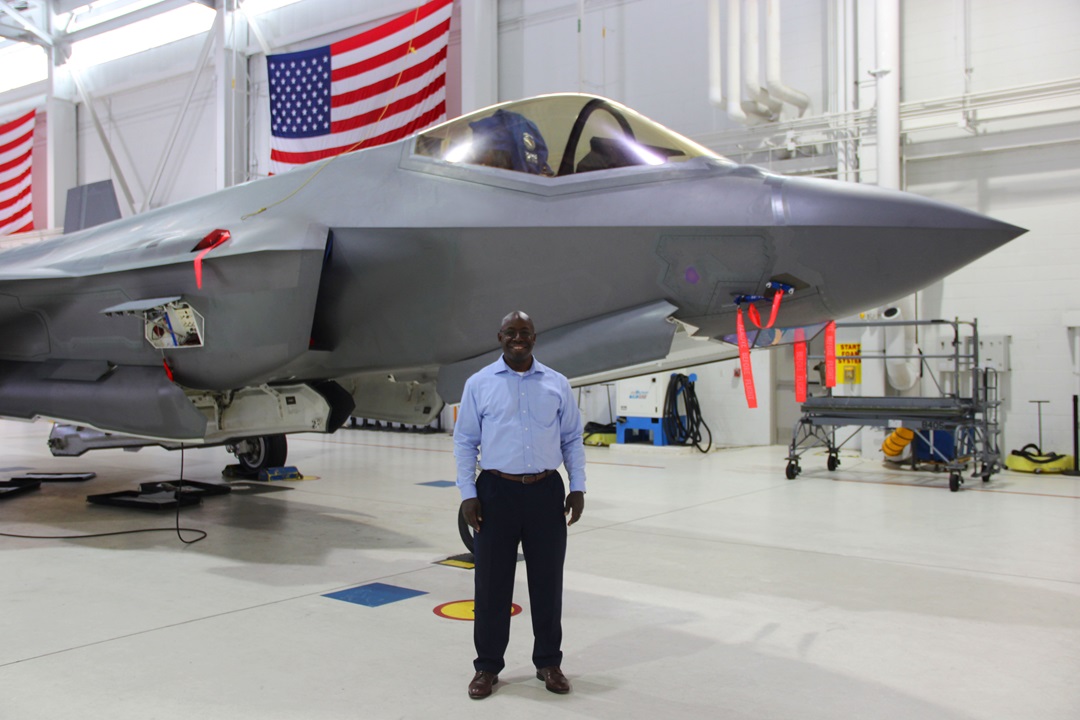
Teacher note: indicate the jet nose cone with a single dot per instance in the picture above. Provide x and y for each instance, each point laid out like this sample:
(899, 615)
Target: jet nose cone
(896, 242)
(828, 202)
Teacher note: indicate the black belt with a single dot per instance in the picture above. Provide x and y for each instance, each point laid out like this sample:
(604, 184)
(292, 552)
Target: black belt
(523, 479)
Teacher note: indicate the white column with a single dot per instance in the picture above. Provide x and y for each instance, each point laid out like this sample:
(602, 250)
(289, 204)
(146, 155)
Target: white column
(230, 108)
(61, 146)
(479, 54)
(887, 32)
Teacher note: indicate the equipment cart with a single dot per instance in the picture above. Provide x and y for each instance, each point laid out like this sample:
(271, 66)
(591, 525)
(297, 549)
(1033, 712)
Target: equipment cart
(969, 412)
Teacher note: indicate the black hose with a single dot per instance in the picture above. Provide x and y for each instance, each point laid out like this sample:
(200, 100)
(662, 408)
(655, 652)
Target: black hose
(684, 428)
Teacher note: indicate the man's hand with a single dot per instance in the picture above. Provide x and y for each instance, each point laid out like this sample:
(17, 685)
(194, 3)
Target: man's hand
(575, 503)
(471, 510)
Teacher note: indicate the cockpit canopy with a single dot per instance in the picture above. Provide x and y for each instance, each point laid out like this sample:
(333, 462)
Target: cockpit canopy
(555, 136)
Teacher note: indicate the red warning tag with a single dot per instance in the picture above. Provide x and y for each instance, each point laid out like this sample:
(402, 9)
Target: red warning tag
(800, 365)
(205, 245)
(744, 361)
(755, 316)
(830, 354)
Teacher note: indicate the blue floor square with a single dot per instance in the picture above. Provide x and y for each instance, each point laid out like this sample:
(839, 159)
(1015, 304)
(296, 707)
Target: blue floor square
(375, 594)
(439, 483)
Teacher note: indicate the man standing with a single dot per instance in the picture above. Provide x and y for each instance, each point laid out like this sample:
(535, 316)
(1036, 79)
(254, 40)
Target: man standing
(522, 414)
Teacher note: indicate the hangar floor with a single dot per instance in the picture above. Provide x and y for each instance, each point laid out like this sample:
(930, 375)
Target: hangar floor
(696, 587)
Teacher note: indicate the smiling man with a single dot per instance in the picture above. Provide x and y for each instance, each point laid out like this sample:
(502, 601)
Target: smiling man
(521, 414)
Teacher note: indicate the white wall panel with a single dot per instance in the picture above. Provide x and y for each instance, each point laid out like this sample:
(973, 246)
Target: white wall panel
(137, 122)
(1024, 288)
(1011, 43)
(649, 54)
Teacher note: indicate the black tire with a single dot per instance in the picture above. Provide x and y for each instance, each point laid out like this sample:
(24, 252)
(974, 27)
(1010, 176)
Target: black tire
(464, 530)
(791, 471)
(257, 453)
(833, 462)
(954, 482)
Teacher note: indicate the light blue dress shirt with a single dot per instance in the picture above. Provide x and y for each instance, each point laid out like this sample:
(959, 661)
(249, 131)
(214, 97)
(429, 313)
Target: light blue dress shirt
(525, 424)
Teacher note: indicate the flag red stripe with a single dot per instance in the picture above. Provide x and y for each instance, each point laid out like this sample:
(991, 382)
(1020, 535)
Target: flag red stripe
(28, 137)
(9, 126)
(25, 228)
(392, 54)
(394, 108)
(383, 86)
(22, 177)
(14, 162)
(406, 130)
(389, 28)
(12, 200)
(298, 158)
(15, 217)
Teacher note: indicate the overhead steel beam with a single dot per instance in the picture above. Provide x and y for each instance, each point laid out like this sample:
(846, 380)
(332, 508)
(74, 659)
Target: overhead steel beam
(255, 30)
(30, 27)
(6, 31)
(127, 19)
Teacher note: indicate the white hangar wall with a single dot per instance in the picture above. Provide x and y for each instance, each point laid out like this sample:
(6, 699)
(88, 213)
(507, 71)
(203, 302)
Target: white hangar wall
(1026, 290)
(654, 56)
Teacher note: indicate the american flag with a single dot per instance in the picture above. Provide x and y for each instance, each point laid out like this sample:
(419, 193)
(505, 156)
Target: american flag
(373, 88)
(16, 153)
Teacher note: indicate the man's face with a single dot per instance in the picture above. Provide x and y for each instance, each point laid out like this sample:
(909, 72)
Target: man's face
(517, 338)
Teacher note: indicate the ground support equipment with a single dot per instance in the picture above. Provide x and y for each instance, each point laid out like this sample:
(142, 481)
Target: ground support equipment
(970, 414)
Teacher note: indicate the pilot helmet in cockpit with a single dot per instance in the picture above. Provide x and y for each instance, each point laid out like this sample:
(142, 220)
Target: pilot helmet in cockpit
(511, 141)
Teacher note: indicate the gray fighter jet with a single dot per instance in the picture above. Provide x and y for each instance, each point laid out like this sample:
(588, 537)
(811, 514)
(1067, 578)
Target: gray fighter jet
(371, 284)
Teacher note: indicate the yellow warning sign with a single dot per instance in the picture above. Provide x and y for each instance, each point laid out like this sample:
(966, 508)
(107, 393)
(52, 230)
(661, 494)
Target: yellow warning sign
(849, 369)
(463, 610)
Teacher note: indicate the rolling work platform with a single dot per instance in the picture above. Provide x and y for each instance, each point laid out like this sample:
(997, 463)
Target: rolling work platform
(968, 411)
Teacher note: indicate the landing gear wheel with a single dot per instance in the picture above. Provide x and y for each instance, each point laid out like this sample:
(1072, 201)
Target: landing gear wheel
(464, 530)
(792, 470)
(256, 453)
(955, 481)
(833, 462)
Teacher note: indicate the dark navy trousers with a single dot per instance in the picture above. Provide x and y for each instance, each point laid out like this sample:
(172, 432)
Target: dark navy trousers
(531, 515)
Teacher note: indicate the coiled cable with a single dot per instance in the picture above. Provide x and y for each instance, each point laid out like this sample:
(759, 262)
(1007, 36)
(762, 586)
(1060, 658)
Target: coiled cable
(685, 428)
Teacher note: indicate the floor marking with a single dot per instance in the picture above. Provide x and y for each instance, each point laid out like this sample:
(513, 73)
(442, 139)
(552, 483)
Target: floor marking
(454, 562)
(374, 594)
(439, 483)
(463, 610)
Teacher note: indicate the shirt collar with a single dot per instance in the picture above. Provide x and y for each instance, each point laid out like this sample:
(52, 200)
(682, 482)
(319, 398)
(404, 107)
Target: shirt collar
(502, 367)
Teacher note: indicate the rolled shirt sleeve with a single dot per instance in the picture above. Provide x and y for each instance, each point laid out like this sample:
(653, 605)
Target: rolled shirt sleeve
(570, 437)
(467, 441)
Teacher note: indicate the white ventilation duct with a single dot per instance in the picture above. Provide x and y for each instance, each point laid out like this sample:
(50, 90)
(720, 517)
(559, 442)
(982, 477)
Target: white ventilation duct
(773, 84)
(754, 98)
(738, 76)
(902, 373)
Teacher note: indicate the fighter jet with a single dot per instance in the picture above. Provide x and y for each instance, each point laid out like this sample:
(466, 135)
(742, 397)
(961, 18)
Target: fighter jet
(371, 284)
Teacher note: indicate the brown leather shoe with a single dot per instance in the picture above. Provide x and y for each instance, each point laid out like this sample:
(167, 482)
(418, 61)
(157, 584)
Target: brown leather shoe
(480, 687)
(553, 679)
